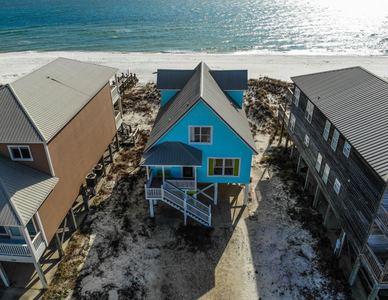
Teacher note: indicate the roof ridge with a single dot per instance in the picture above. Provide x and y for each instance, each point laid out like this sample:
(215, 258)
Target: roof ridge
(201, 80)
(181, 145)
(5, 190)
(25, 111)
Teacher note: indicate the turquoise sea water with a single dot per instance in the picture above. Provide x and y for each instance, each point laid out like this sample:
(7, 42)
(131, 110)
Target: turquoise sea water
(244, 26)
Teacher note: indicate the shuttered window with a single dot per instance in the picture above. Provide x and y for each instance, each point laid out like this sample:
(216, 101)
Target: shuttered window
(337, 186)
(297, 95)
(347, 148)
(319, 162)
(326, 172)
(306, 140)
(334, 141)
(224, 167)
(326, 130)
(309, 111)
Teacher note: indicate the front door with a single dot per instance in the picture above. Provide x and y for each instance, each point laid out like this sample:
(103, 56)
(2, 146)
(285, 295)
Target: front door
(187, 172)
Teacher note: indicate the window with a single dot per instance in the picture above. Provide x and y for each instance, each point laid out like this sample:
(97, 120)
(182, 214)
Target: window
(334, 141)
(224, 167)
(337, 186)
(319, 162)
(15, 231)
(326, 131)
(31, 228)
(326, 172)
(297, 95)
(347, 148)
(199, 134)
(309, 111)
(292, 123)
(306, 140)
(3, 231)
(20, 152)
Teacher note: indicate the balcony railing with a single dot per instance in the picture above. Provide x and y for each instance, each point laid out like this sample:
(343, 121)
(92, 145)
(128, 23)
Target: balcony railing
(289, 95)
(283, 113)
(378, 270)
(115, 93)
(20, 247)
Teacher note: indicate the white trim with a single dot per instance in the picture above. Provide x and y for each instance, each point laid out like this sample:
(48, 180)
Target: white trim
(15, 237)
(223, 167)
(49, 159)
(296, 98)
(334, 142)
(308, 114)
(28, 241)
(201, 126)
(41, 228)
(20, 146)
(326, 131)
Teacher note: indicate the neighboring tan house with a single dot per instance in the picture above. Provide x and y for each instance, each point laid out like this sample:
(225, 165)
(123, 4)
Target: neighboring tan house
(55, 125)
(338, 124)
(201, 135)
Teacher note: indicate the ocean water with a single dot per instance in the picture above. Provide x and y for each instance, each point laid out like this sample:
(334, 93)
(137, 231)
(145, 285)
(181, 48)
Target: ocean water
(334, 27)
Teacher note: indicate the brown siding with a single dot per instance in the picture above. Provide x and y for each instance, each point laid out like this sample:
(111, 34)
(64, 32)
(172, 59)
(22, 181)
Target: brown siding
(38, 154)
(74, 151)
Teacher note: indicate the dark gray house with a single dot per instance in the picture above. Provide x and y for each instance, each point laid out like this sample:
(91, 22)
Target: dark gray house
(339, 126)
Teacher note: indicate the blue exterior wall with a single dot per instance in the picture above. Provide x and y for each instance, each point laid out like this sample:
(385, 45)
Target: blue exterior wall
(176, 172)
(237, 96)
(225, 143)
(167, 95)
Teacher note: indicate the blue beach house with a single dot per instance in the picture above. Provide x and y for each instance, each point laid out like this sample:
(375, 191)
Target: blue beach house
(201, 135)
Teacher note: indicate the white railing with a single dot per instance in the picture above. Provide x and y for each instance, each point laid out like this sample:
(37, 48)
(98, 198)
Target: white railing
(174, 198)
(182, 184)
(115, 93)
(38, 240)
(382, 216)
(282, 112)
(117, 116)
(373, 262)
(152, 193)
(289, 95)
(14, 249)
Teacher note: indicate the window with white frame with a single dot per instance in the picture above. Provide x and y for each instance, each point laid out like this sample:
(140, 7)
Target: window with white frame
(326, 172)
(224, 166)
(20, 152)
(306, 140)
(346, 149)
(309, 111)
(326, 131)
(319, 162)
(297, 95)
(200, 134)
(292, 123)
(334, 141)
(337, 186)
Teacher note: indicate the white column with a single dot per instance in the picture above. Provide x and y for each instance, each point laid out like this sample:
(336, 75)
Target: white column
(41, 228)
(195, 178)
(246, 194)
(27, 238)
(163, 174)
(148, 173)
(151, 208)
(42, 278)
(4, 276)
(215, 193)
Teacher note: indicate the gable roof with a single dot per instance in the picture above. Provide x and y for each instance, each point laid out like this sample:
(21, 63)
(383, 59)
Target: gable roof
(201, 86)
(173, 79)
(353, 99)
(172, 154)
(52, 95)
(22, 192)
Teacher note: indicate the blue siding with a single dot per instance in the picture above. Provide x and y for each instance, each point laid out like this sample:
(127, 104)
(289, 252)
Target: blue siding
(237, 96)
(225, 143)
(167, 95)
(176, 172)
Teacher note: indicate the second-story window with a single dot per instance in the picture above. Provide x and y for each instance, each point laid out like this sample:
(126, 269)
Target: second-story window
(334, 141)
(20, 153)
(337, 186)
(306, 140)
(347, 148)
(200, 134)
(309, 111)
(292, 123)
(326, 172)
(319, 162)
(326, 130)
(297, 95)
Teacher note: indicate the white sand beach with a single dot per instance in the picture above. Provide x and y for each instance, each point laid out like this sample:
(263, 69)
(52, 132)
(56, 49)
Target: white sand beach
(17, 64)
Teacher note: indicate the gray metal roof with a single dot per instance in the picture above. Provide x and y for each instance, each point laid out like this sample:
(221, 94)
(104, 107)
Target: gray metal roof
(201, 86)
(231, 80)
(173, 79)
(23, 190)
(15, 126)
(354, 101)
(53, 94)
(172, 154)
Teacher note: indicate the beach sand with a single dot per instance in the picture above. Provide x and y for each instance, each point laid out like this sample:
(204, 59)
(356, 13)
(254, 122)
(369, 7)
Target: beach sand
(17, 64)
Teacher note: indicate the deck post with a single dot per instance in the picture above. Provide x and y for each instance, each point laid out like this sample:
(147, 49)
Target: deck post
(299, 164)
(246, 194)
(327, 215)
(316, 197)
(281, 133)
(58, 244)
(195, 177)
(4, 276)
(73, 218)
(163, 174)
(355, 269)
(111, 153)
(292, 150)
(117, 142)
(27, 238)
(287, 139)
(155, 202)
(307, 181)
(373, 293)
(215, 193)
(42, 278)
(151, 208)
(41, 228)
(148, 173)
(185, 207)
(103, 164)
